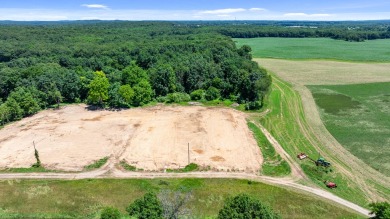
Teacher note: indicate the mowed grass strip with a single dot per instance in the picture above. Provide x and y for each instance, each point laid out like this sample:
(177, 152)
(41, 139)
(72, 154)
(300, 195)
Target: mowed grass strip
(316, 72)
(287, 123)
(318, 48)
(273, 164)
(358, 116)
(85, 198)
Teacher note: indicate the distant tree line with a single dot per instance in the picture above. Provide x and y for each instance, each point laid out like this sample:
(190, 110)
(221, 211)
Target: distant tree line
(340, 30)
(121, 64)
(339, 33)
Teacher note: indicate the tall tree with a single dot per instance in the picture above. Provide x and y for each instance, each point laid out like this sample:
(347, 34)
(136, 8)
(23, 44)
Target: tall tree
(15, 112)
(133, 74)
(163, 79)
(142, 93)
(5, 114)
(98, 89)
(126, 93)
(26, 99)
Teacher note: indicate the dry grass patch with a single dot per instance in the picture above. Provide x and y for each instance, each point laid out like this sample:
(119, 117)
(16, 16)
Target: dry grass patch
(327, 72)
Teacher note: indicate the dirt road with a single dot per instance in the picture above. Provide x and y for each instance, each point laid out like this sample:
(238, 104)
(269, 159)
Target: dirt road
(108, 173)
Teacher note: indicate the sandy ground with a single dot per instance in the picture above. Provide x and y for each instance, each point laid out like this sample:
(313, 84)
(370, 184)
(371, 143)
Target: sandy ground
(152, 138)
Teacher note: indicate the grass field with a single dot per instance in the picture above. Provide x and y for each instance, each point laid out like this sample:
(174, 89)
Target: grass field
(358, 116)
(84, 198)
(316, 72)
(318, 48)
(287, 123)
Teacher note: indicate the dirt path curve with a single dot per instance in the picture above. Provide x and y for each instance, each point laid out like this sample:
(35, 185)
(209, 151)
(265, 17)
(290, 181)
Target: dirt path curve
(296, 171)
(115, 173)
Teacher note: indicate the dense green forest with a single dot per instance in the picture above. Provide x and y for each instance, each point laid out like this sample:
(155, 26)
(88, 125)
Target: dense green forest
(121, 64)
(124, 64)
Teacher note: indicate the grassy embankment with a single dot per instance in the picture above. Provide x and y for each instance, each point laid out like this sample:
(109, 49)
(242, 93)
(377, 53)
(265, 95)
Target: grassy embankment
(273, 164)
(287, 123)
(318, 48)
(358, 116)
(85, 198)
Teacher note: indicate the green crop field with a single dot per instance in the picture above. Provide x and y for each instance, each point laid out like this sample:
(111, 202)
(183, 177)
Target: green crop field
(287, 123)
(358, 116)
(318, 48)
(84, 198)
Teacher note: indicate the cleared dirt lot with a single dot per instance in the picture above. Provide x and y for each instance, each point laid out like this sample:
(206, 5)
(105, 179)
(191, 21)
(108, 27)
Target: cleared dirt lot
(150, 138)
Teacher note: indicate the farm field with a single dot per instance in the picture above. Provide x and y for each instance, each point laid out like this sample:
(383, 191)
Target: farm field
(358, 116)
(318, 48)
(288, 124)
(296, 123)
(315, 72)
(84, 198)
(152, 138)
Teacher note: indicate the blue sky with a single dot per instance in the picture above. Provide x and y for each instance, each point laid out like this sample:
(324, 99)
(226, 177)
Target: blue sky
(195, 9)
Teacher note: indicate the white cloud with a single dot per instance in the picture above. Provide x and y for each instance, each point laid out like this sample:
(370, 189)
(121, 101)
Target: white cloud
(305, 15)
(95, 6)
(113, 14)
(320, 15)
(223, 11)
(224, 15)
(257, 9)
(294, 14)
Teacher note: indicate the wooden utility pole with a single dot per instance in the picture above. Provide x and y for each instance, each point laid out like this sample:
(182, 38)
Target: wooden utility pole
(188, 153)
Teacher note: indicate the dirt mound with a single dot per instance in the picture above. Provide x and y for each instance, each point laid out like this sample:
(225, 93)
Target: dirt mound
(150, 138)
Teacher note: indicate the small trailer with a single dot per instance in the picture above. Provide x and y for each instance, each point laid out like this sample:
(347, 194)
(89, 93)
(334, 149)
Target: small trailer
(302, 156)
(330, 185)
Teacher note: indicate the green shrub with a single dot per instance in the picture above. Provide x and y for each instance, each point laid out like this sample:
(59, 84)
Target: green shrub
(212, 93)
(190, 167)
(178, 97)
(127, 166)
(110, 213)
(244, 206)
(254, 105)
(146, 207)
(162, 99)
(97, 164)
(381, 210)
(197, 94)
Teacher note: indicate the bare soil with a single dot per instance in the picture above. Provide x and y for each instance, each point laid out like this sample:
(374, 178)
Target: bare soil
(153, 138)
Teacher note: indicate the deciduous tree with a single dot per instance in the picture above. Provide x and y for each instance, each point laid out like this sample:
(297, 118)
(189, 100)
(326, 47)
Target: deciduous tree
(245, 206)
(98, 89)
(380, 210)
(146, 207)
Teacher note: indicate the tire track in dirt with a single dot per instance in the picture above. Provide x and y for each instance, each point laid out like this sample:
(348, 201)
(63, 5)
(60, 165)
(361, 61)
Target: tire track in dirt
(296, 171)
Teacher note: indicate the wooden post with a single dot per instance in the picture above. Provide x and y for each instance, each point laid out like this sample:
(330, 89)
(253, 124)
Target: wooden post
(188, 153)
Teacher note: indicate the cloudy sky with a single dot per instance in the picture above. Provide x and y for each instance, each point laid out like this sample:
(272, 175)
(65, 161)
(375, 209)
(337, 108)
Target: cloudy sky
(44, 10)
